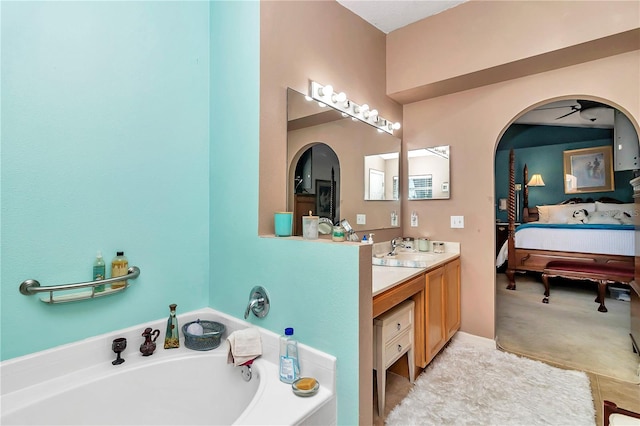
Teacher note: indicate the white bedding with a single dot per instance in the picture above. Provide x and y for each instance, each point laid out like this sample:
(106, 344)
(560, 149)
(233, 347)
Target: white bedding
(601, 241)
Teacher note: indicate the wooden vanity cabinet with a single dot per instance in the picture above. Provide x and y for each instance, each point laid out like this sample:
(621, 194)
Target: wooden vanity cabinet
(435, 327)
(436, 294)
(452, 297)
(442, 301)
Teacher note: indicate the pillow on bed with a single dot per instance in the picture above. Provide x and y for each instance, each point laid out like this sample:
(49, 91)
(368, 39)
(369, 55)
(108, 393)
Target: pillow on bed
(629, 208)
(560, 213)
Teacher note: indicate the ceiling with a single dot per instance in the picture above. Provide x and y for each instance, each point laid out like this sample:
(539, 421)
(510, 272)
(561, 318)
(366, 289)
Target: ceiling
(389, 15)
(568, 113)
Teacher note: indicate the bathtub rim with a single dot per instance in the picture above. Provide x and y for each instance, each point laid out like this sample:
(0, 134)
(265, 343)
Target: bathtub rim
(78, 358)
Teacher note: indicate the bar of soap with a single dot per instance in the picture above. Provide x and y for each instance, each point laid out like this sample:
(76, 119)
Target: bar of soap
(306, 383)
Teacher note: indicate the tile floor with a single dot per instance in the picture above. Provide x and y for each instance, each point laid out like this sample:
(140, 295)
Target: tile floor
(625, 395)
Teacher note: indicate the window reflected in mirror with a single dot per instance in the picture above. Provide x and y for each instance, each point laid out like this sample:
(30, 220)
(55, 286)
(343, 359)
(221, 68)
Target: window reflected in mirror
(428, 170)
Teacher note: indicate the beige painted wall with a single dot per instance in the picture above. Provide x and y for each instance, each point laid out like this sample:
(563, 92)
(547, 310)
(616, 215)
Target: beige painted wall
(483, 42)
(472, 121)
(311, 40)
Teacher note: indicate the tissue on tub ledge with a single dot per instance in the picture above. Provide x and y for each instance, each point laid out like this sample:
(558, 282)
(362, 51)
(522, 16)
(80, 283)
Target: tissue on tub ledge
(244, 346)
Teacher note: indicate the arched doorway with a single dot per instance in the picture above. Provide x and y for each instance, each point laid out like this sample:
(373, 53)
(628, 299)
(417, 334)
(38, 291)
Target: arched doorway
(541, 138)
(316, 184)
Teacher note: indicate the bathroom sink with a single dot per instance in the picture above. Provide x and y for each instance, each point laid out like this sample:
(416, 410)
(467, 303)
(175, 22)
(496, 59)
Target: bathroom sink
(407, 259)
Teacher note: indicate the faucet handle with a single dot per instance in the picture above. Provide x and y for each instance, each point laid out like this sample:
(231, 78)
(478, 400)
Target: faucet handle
(258, 302)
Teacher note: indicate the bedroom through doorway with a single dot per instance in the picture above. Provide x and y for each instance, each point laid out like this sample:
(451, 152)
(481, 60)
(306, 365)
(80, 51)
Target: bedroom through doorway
(556, 146)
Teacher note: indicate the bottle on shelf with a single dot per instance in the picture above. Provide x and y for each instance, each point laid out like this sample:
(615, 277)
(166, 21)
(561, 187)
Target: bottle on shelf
(289, 363)
(119, 267)
(99, 271)
(172, 337)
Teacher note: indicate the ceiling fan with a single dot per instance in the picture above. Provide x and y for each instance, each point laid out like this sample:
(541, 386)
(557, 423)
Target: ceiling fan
(582, 107)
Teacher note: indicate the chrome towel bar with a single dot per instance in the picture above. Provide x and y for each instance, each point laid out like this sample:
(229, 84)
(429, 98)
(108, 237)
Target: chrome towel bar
(31, 287)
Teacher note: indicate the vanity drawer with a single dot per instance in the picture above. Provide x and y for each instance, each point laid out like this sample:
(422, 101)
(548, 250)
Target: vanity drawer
(395, 321)
(397, 347)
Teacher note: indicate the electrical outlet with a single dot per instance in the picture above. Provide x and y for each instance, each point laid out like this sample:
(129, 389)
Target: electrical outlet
(361, 219)
(457, 221)
(414, 220)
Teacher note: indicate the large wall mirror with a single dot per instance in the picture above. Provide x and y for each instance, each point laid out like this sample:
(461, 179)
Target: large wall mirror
(329, 159)
(428, 170)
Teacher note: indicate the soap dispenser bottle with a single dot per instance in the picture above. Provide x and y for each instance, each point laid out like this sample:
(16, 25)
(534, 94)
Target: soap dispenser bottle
(99, 271)
(119, 268)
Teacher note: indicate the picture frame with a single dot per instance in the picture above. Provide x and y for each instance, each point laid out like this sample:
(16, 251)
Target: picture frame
(588, 170)
(324, 201)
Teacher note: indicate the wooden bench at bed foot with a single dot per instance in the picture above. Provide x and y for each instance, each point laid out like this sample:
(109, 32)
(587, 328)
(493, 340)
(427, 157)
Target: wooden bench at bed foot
(602, 273)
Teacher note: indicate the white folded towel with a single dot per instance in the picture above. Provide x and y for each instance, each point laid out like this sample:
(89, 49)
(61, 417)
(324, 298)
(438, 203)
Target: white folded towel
(244, 346)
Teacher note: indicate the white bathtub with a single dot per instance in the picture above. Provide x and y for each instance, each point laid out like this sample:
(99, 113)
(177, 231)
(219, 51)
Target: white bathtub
(76, 384)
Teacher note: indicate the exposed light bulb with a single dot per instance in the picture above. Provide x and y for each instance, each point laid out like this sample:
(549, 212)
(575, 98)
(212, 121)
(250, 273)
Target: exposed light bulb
(326, 90)
(364, 108)
(396, 125)
(339, 97)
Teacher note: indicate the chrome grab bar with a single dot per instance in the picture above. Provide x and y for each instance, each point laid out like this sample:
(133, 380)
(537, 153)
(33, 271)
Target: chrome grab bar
(31, 287)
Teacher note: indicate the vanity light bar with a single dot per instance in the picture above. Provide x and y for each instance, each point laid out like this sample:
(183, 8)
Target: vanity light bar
(339, 101)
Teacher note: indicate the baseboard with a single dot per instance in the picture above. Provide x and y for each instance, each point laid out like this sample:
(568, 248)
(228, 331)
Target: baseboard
(472, 339)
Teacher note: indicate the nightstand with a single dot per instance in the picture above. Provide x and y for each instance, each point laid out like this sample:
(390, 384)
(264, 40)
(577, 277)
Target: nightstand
(502, 232)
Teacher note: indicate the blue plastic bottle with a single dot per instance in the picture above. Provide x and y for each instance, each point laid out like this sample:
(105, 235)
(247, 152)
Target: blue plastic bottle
(289, 363)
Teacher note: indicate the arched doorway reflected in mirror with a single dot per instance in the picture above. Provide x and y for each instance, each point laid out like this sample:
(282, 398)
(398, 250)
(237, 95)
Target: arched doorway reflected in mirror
(316, 185)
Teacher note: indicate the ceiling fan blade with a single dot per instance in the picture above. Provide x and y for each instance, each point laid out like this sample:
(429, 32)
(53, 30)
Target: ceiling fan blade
(558, 107)
(572, 112)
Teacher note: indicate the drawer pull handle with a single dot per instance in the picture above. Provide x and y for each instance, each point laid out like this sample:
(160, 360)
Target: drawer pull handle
(398, 326)
(399, 348)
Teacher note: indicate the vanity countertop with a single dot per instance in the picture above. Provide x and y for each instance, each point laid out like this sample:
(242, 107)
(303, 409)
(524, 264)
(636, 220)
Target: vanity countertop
(385, 277)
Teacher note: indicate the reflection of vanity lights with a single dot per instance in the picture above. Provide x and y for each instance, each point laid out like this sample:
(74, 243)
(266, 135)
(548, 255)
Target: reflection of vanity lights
(339, 101)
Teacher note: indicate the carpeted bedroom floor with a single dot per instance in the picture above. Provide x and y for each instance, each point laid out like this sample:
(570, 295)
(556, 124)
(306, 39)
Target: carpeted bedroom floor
(594, 342)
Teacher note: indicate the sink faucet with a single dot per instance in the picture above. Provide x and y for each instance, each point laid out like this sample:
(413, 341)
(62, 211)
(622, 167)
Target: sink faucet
(395, 245)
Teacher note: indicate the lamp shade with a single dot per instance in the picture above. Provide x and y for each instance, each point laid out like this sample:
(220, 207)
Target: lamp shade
(536, 180)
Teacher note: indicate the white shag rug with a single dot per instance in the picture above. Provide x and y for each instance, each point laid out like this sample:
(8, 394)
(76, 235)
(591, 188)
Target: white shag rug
(475, 384)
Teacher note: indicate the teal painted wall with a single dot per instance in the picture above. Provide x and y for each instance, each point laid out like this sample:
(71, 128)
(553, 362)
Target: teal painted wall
(548, 161)
(135, 126)
(313, 286)
(105, 146)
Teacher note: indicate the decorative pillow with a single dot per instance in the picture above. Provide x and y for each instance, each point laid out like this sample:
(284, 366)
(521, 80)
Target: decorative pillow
(623, 217)
(561, 213)
(602, 218)
(629, 208)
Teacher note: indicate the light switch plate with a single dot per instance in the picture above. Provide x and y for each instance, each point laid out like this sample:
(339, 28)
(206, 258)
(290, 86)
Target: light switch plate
(457, 221)
(361, 219)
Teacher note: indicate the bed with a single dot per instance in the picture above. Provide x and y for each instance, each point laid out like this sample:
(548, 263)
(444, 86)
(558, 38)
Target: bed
(546, 234)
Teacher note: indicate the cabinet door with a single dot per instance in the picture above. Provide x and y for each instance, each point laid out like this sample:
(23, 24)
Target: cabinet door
(452, 297)
(435, 325)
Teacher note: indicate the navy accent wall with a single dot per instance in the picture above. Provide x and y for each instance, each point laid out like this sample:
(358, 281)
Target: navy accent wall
(541, 149)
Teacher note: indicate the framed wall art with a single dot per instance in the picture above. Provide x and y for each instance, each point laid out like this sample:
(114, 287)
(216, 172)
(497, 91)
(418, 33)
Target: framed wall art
(588, 170)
